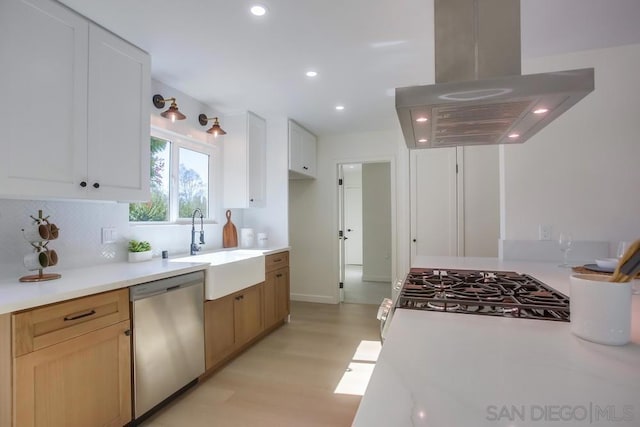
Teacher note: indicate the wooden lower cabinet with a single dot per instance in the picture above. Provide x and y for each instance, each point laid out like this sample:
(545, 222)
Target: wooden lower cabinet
(218, 330)
(248, 314)
(276, 297)
(230, 322)
(81, 382)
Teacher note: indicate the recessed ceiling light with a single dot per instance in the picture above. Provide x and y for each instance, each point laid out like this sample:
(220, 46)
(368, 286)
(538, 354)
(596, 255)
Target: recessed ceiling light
(421, 119)
(422, 140)
(258, 10)
(514, 135)
(311, 73)
(339, 107)
(540, 111)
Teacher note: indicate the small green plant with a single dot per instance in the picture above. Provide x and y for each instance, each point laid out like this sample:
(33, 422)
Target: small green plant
(136, 246)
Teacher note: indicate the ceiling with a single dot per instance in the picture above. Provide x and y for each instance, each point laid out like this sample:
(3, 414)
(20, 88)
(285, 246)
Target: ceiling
(220, 54)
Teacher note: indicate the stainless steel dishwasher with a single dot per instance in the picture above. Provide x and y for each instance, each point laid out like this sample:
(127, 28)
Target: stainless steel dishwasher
(168, 338)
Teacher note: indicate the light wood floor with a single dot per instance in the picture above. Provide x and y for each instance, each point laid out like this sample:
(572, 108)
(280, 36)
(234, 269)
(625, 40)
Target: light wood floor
(286, 379)
(357, 291)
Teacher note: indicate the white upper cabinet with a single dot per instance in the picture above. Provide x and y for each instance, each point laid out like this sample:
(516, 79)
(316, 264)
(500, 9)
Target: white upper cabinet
(74, 116)
(119, 88)
(245, 165)
(302, 152)
(43, 116)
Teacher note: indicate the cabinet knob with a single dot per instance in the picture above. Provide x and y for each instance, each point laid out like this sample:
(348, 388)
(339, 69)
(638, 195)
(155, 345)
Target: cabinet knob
(305, 168)
(83, 184)
(128, 332)
(414, 240)
(251, 200)
(96, 185)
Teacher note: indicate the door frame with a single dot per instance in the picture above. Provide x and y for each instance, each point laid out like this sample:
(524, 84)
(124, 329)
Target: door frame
(338, 221)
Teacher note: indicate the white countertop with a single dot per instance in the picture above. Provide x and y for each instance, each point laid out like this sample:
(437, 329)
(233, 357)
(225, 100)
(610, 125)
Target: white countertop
(80, 282)
(446, 369)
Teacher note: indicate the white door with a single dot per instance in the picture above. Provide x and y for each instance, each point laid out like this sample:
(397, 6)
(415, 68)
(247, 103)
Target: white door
(455, 202)
(353, 224)
(434, 215)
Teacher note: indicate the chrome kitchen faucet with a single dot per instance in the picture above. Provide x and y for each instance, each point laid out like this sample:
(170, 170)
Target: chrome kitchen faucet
(194, 247)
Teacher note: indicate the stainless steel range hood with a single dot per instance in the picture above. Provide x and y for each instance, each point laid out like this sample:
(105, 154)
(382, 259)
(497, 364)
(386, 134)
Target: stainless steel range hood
(479, 97)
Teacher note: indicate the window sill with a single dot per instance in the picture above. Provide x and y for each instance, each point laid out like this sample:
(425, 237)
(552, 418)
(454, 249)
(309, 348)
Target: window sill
(169, 223)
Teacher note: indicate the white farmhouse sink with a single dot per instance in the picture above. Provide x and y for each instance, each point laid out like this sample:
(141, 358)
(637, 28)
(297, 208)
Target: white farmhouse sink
(229, 271)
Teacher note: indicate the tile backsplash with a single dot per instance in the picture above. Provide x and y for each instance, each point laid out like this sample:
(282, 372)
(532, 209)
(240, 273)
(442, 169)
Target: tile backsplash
(80, 240)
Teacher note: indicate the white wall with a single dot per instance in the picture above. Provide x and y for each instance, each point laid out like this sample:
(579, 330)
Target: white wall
(313, 210)
(581, 173)
(376, 218)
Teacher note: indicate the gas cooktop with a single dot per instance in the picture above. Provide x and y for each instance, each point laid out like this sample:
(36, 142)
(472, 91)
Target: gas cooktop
(492, 293)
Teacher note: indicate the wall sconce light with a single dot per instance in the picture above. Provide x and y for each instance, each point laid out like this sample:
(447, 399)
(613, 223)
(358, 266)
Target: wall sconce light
(172, 113)
(215, 129)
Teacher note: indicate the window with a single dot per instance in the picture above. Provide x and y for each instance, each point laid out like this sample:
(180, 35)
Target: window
(190, 165)
(193, 182)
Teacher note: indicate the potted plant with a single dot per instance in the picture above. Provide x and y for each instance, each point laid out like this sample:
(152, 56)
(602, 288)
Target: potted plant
(139, 251)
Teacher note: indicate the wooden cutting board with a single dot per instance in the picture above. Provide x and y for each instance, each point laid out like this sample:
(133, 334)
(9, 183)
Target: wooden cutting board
(229, 233)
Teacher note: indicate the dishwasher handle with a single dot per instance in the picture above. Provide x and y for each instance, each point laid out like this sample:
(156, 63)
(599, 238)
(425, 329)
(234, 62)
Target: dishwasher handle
(146, 290)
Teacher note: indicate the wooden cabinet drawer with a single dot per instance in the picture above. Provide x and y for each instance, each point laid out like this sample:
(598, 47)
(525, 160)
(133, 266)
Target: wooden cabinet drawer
(44, 326)
(276, 261)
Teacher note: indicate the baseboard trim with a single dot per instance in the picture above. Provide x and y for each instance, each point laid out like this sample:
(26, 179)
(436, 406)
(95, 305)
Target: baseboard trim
(376, 279)
(322, 299)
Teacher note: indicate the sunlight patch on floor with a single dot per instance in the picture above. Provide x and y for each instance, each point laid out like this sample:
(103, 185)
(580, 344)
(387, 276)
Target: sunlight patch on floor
(356, 377)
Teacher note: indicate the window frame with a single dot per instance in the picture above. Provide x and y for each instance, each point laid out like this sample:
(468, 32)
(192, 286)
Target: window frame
(178, 141)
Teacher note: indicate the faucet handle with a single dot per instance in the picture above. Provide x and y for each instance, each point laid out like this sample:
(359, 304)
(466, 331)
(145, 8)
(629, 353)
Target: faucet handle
(202, 237)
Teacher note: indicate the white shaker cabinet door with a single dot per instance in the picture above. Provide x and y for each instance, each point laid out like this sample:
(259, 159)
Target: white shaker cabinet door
(244, 153)
(302, 152)
(257, 161)
(43, 113)
(119, 98)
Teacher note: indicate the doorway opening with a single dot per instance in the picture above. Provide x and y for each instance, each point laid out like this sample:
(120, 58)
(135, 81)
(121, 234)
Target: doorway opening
(364, 219)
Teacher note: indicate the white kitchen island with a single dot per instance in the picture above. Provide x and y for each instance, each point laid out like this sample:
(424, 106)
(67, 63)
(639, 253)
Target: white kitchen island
(448, 369)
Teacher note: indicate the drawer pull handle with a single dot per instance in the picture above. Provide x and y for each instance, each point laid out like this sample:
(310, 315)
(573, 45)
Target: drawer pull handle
(279, 275)
(277, 260)
(79, 316)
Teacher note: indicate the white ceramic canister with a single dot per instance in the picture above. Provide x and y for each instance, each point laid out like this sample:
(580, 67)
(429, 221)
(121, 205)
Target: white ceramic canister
(247, 237)
(600, 310)
(263, 240)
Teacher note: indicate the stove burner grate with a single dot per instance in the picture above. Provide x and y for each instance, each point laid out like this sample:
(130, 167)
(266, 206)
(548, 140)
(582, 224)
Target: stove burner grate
(494, 293)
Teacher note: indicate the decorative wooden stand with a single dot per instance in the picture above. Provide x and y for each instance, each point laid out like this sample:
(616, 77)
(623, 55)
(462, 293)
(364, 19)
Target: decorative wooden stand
(39, 247)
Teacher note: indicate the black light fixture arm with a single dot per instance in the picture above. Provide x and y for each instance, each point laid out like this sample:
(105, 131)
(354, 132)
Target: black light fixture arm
(203, 119)
(159, 101)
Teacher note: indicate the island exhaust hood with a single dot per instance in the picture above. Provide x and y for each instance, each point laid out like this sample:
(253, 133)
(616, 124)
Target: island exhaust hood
(479, 97)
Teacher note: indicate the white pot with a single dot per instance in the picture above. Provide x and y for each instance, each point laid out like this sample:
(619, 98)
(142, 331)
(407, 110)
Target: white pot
(600, 310)
(140, 256)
